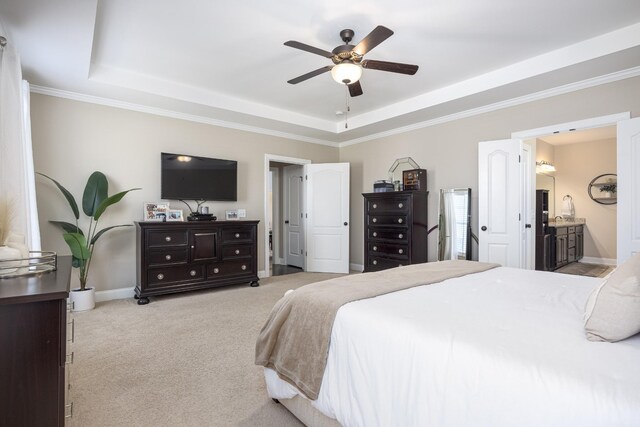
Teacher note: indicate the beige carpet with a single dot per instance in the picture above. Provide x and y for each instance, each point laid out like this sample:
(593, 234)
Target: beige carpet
(182, 360)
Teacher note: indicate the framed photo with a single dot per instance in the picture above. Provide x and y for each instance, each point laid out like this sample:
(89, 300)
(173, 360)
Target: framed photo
(232, 215)
(155, 212)
(175, 215)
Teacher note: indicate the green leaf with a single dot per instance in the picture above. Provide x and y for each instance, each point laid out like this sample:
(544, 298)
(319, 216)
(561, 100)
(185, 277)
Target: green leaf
(110, 201)
(68, 227)
(95, 192)
(104, 230)
(67, 195)
(78, 245)
(77, 263)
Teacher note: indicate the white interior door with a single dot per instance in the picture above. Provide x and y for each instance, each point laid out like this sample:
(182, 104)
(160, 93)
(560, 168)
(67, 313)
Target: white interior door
(294, 232)
(628, 188)
(528, 190)
(327, 209)
(499, 202)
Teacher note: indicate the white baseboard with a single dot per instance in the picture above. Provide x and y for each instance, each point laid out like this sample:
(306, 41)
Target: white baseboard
(262, 274)
(594, 260)
(356, 267)
(121, 293)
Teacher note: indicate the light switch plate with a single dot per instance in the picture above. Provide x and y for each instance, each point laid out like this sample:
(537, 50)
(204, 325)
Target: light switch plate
(242, 213)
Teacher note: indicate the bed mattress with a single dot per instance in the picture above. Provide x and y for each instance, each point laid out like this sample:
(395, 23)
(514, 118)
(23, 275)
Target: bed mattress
(503, 347)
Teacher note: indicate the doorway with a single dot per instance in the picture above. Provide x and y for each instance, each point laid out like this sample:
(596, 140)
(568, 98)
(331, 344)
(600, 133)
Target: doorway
(280, 172)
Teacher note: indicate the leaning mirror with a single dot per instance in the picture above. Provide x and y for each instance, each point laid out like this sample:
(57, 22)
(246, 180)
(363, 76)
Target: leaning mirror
(454, 224)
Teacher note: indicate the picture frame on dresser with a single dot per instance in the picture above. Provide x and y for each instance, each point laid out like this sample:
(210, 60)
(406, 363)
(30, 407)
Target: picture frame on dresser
(155, 212)
(175, 215)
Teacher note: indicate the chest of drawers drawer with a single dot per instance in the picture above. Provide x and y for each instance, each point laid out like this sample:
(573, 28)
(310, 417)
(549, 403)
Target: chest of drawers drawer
(390, 205)
(397, 235)
(159, 238)
(167, 256)
(399, 251)
(230, 268)
(167, 276)
(237, 251)
(240, 234)
(387, 220)
(376, 263)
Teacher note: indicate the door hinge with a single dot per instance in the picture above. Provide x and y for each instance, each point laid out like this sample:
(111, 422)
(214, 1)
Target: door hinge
(519, 158)
(305, 215)
(306, 253)
(301, 179)
(301, 215)
(301, 251)
(519, 217)
(306, 178)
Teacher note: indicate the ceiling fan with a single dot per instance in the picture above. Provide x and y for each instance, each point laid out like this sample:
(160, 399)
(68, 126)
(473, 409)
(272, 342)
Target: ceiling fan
(348, 59)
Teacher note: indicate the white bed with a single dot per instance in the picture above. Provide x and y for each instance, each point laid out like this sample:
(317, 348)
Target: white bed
(503, 347)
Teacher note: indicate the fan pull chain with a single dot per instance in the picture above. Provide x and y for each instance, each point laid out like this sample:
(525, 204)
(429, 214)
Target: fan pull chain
(348, 108)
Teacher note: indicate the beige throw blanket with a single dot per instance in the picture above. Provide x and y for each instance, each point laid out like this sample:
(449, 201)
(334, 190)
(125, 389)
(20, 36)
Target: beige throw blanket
(295, 340)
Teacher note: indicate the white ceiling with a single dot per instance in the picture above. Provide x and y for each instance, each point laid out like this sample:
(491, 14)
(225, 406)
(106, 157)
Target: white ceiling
(579, 136)
(225, 62)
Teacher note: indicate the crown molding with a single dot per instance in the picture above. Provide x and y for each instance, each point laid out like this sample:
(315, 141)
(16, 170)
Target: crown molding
(560, 90)
(109, 102)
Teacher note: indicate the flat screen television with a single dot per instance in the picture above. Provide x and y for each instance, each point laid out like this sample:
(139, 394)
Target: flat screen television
(185, 177)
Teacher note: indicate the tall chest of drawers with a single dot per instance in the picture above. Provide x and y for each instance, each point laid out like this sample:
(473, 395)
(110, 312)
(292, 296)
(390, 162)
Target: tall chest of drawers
(183, 256)
(395, 229)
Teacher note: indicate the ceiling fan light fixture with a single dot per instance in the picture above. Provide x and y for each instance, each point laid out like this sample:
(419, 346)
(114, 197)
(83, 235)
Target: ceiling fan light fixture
(346, 72)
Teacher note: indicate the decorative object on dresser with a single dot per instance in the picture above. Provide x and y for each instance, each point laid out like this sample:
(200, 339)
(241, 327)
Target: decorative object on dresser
(34, 337)
(95, 201)
(183, 256)
(395, 229)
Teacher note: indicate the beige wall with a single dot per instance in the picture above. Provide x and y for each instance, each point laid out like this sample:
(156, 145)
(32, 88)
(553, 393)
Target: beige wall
(72, 139)
(449, 151)
(576, 165)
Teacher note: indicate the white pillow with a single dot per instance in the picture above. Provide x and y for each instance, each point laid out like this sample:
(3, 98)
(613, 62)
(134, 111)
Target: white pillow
(613, 308)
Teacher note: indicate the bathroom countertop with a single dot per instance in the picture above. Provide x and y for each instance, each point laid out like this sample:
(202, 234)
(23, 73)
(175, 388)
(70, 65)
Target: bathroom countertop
(566, 222)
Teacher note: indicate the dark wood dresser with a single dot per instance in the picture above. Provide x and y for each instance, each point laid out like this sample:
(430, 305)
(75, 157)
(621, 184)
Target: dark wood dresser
(33, 348)
(183, 256)
(395, 229)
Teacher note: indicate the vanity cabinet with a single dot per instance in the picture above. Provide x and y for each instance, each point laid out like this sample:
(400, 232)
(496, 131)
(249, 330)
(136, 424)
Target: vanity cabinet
(395, 229)
(567, 244)
(183, 256)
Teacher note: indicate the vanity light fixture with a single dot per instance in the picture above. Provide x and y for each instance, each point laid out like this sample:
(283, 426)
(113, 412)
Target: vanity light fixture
(544, 167)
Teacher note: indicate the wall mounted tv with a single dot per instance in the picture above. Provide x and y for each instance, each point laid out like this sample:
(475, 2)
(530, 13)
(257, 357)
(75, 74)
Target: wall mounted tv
(186, 177)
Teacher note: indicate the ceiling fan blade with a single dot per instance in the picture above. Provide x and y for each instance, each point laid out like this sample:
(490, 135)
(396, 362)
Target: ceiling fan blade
(373, 39)
(355, 89)
(307, 48)
(310, 74)
(394, 67)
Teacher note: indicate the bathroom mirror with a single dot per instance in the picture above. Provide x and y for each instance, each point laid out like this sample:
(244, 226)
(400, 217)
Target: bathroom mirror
(454, 224)
(548, 182)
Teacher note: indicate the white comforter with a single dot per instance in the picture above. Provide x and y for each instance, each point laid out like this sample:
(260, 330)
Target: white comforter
(504, 347)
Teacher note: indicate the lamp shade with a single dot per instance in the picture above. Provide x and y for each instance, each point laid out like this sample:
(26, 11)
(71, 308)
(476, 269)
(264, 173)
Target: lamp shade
(346, 72)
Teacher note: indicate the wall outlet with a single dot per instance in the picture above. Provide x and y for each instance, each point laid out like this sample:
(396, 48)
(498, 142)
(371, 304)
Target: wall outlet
(242, 213)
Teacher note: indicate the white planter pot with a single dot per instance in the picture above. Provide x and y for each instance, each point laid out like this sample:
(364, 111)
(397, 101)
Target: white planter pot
(83, 300)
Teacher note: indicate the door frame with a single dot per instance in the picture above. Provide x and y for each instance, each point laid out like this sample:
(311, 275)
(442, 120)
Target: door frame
(268, 158)
(590, 123)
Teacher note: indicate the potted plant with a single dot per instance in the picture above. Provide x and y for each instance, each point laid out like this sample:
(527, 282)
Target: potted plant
(609, 190)
(95, 200)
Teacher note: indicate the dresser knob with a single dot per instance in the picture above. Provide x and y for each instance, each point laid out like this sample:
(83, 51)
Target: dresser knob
(399, 220)
(237, 235)
(167, 238)
(244, 267)
(375, 248)
(237, 251)
(375, 206)
(400, 205)
(375, 234)
(216, 270)
(400, 251)
(375, 262)
(374, 220)
(400, 236)
(167, 257)
(160, 276)
(192, 273)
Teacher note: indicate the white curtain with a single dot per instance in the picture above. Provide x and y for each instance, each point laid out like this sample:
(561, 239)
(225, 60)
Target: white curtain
(17, 180)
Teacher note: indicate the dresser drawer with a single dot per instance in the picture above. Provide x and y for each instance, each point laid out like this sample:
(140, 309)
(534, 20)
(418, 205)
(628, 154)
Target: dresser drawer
(396, 204)
(381, 263)
(166, 276)
(572, 241)
(386, 249)
(167, 256)
(230, 268)
(240, 234)
(236, 251)
(157, 238)
(571, 229)
(386, 220)
(399, 235)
